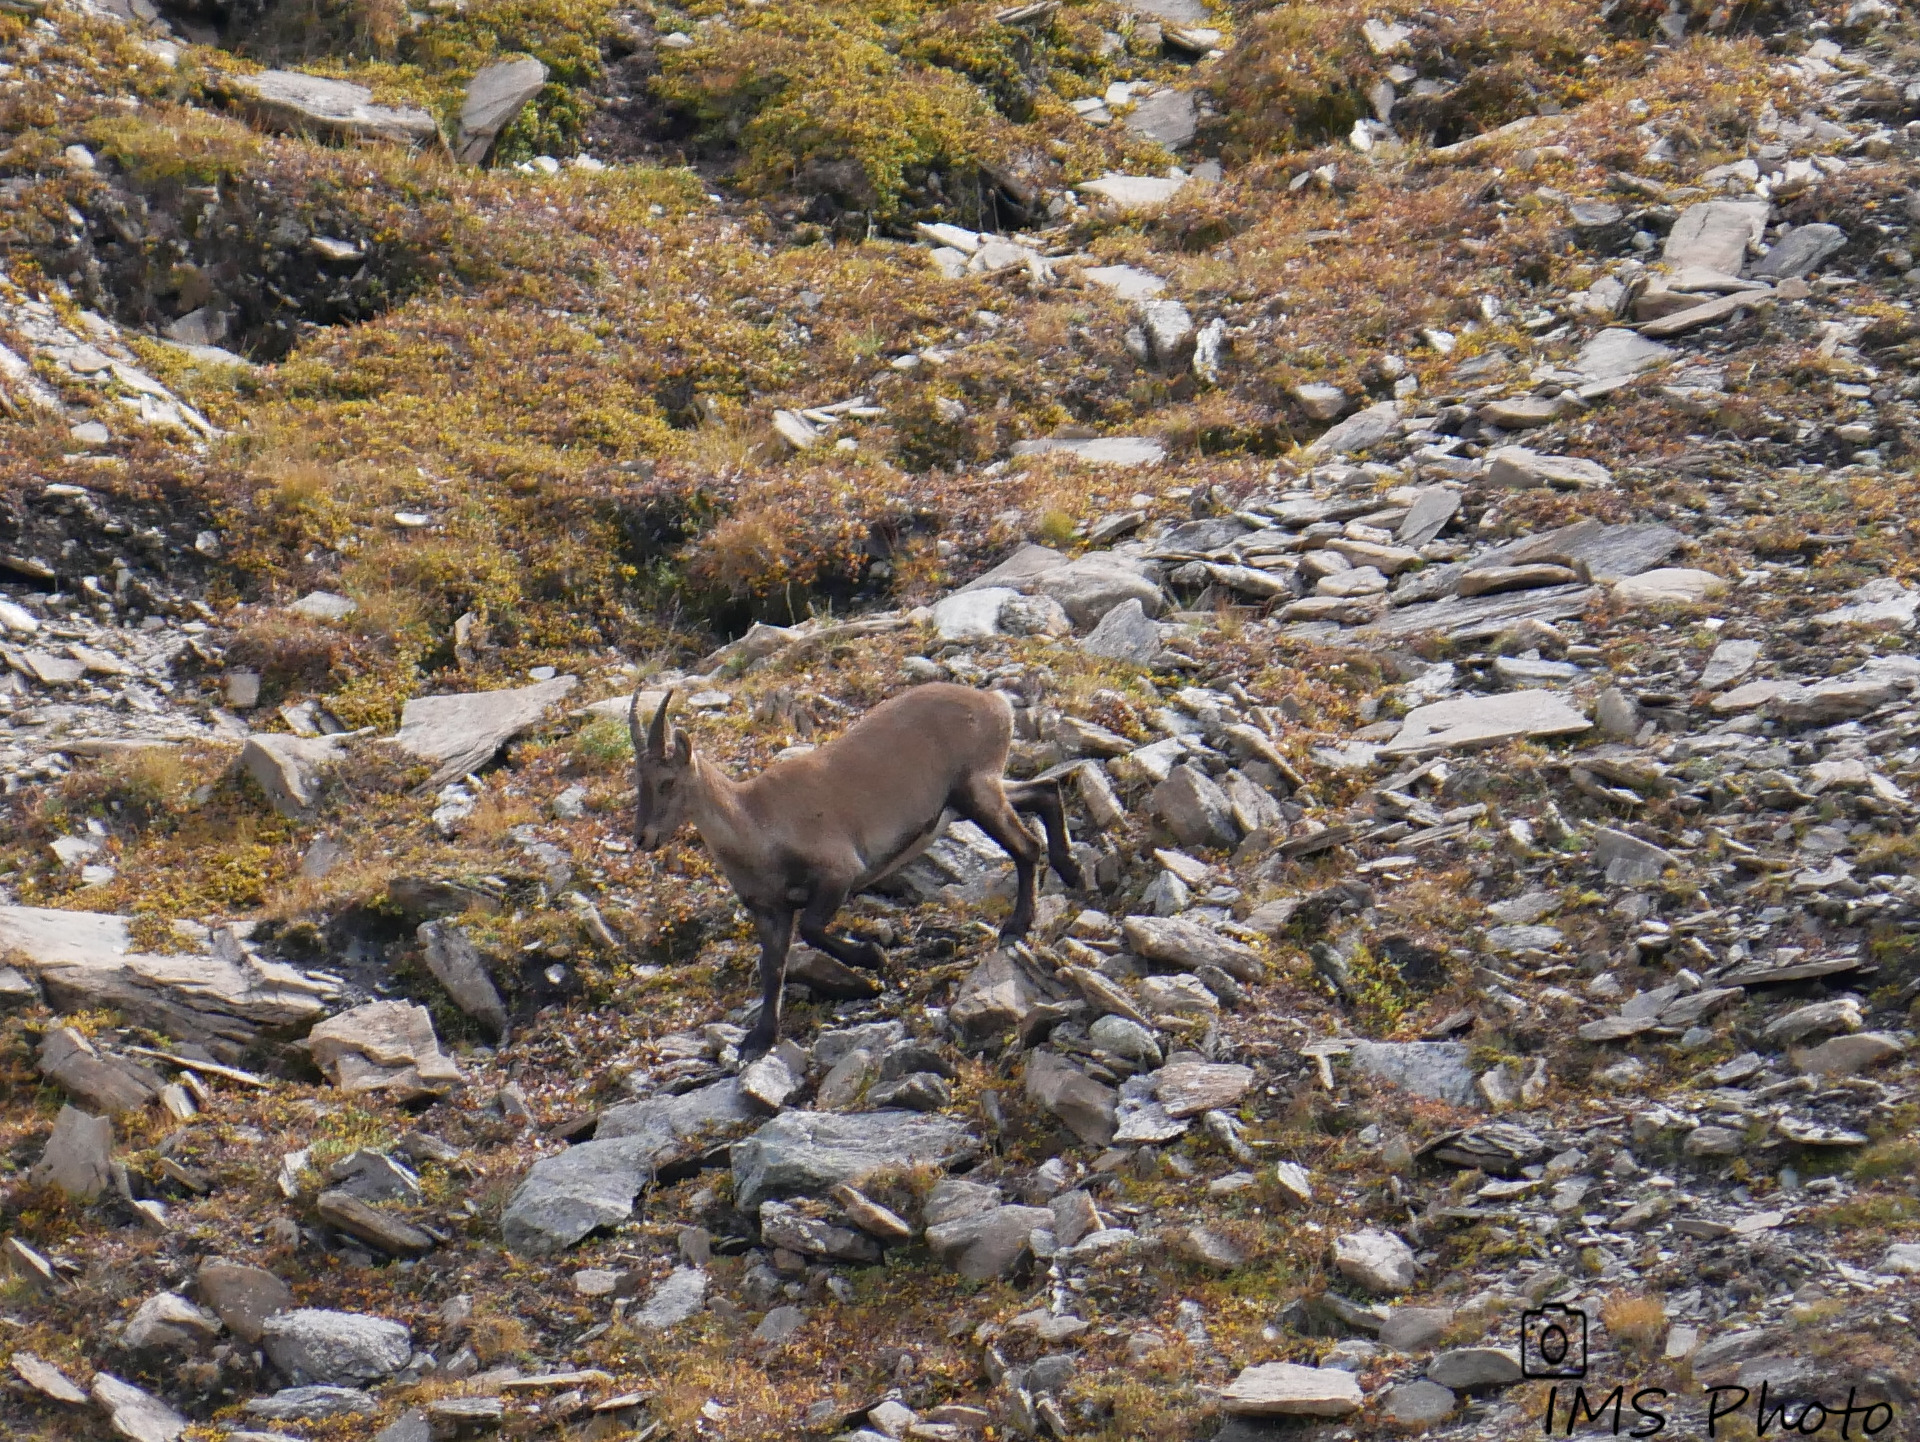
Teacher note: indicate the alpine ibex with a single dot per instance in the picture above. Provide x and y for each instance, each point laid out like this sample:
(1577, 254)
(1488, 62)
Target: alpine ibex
(801, 837)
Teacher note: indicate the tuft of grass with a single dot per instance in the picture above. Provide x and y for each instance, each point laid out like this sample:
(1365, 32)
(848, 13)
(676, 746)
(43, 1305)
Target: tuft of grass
(496, 1339)
(1888, 1159)
(1634, 1319)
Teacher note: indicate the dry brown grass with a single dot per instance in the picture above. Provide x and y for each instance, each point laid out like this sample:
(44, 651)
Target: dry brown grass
(496, 1339)
(1634, 1319)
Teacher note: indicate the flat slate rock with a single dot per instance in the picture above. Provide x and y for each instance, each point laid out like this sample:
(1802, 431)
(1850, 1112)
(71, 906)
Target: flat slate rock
(1102, 450)
(1128, 282)
(1186, 1089)
(78, 1156)
(1133, 192)
(87, 960)
(1360, 431)
(1627, 859)
(1714, 235)
(1170, 118)
(1019, 570)
(135, 1413)
(1618, 354)
(1438, 1070)
(1729, 662)
(1877, 601)
(802, 1153)
(593, 1184)
(681, 1296)
(1611, 553)
(463, 732)
(1799, 251)
(47, 1379)
(494, 97)
(1478, 617)
(1174, 12)
(1468, 722)
(310, 104)
(1287, 1389)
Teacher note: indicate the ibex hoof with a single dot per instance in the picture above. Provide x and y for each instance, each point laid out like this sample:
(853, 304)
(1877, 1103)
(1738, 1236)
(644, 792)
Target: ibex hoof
(754, 1046)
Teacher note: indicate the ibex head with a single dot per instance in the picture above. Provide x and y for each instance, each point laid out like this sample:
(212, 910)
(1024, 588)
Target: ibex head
(662, 775)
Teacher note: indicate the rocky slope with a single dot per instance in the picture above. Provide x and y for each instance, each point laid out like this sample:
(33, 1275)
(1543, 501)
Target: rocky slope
(1436, 489)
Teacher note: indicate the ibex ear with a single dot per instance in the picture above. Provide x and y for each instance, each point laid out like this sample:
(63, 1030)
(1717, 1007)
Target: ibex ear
(682, 747)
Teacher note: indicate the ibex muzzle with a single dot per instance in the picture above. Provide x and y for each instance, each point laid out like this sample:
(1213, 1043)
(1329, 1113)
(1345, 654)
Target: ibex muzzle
(805, 834)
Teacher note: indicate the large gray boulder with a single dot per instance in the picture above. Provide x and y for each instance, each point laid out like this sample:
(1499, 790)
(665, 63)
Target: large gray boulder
(78, 1156)
(811, 1153)
(311, 1346)
(1087, 1107)
(1715, 234)
(1360, 431)
(1093, 585)
(1126, 633)
(457, 965)
(387, 1047)
(1195, 809)
(1378, 1261)
(593, 1185)
(225, 998)
(335, 109)
(494, 97)
(987, 1244)
(287, 769)
(566, 1196)
(994, 999)
(1439, 1070)
(167, 1323)
(463, 732)
(1800, 250)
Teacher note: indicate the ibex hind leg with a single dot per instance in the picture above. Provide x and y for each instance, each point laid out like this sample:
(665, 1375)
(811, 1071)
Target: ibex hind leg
(1042, 799)
(985, 804)
(775, 929)
(847, 950)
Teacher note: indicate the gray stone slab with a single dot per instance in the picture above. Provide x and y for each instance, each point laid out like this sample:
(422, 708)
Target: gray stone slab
(1169, 118)
(309, 104)
(1478, 617)
(809, 1153)
(1715, 234)
(1468, 722)
(1103, 450)
(1611, 553)
(463, 732)
(1616, 354)
(1439, 1070)
(1360, 431)
(1800, 251)
(494, 97)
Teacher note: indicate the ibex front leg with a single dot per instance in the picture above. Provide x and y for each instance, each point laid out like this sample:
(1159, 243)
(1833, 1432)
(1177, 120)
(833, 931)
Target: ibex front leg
(775, 929)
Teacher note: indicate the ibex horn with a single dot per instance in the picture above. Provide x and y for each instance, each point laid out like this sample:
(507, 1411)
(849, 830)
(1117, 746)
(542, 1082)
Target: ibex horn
(657, 732)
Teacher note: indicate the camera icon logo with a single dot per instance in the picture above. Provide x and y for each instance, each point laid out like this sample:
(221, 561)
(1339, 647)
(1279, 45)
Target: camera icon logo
(1553, 1343)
